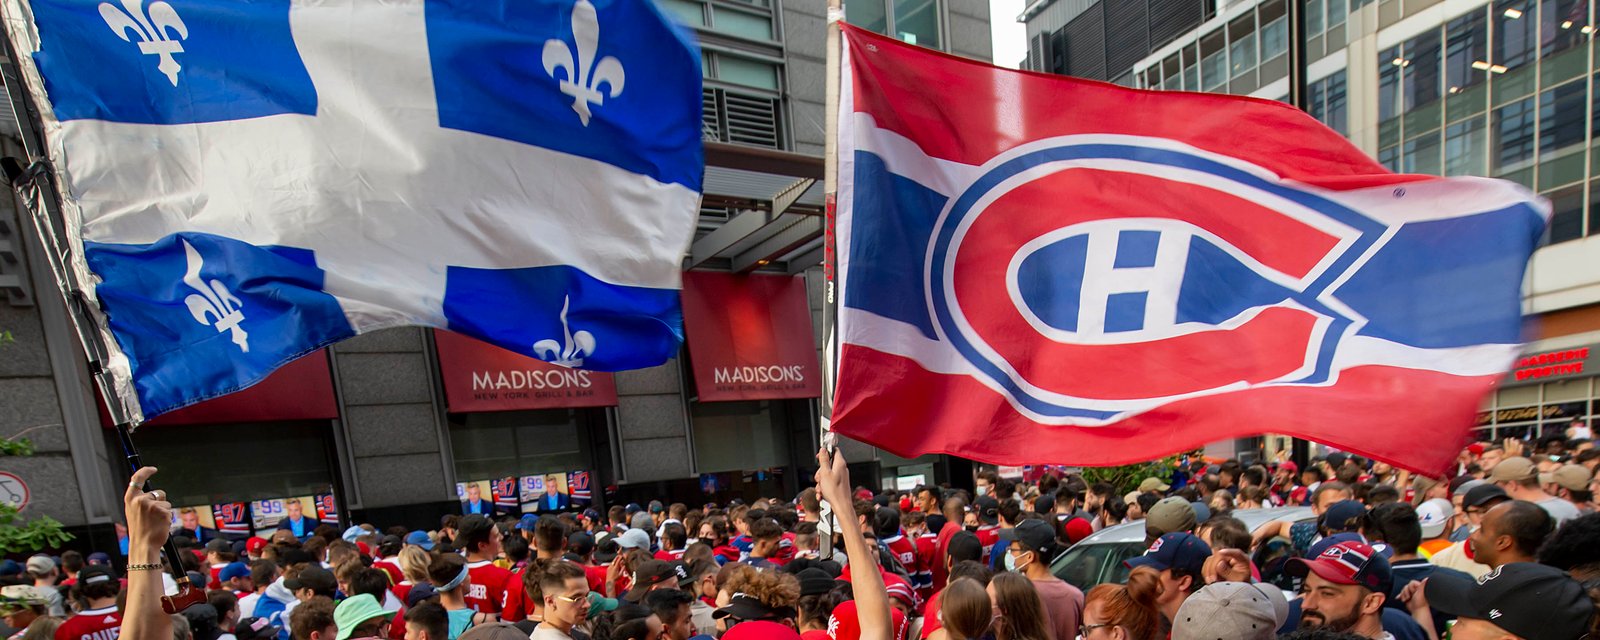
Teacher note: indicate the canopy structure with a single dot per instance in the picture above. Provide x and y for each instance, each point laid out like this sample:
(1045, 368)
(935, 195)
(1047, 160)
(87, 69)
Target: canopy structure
(762, 210)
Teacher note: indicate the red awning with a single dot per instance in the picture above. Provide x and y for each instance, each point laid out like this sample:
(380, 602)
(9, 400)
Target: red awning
(482, 377)
(300, 390)
(750, 337)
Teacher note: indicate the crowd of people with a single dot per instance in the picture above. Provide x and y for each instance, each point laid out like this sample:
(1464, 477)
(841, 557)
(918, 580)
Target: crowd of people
(1506, 546)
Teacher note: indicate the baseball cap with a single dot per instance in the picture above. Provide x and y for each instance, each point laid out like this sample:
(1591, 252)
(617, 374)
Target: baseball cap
(389, 545)
(632, 508)
(528, 522)
(761, 630)
(354, 610)
(1350, 562)
(1179, 550)
(99, 557)
(494, 631)
(744, 606)
(1483, 494)
(1434, 515)
(964, 546)
(93, 573)
(10, 567)
(17, 597)
(40, 565)
(1168, 516)
(634, 539)
(254, 545)
(1132, 497)
(1514, 469)
(649, 574)
(1202, 512)
(1344, 515)
(1233, 610)
(1153, 484)
(988, 509)
(314, 578)
(219, 545)
(1527, 599)
(1077, 529)
(599, 604)
(355, 531)
(233, 570)
(255, 629)
(1469, 484)
(420, 539)
(1572, 477)
(1288, 465)
(814, 582)
(607, 550)
(656, 506)
(1036, 536)
(421, 591)
(580, 542)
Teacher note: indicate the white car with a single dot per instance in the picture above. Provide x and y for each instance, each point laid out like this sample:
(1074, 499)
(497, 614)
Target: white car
(1098, 559)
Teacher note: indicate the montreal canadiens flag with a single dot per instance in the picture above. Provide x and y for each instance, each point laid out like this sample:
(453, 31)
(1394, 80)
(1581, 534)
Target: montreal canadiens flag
(1038, 269)
(245, 182)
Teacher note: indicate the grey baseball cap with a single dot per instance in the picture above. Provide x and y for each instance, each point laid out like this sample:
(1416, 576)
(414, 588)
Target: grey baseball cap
(1231, 611)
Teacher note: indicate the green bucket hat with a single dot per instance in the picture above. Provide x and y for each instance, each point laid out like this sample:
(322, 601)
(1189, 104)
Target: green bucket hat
(356, 610)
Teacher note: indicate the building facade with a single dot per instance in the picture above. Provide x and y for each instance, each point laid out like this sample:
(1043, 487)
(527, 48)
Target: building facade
(1502, 88)
(400, 426)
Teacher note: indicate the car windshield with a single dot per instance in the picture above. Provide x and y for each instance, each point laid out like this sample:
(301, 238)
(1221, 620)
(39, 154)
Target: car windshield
(1085, 566)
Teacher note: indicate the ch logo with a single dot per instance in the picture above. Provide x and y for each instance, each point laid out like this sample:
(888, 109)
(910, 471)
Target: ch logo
(1131, 280)
(159, 30)
(584, 74)
(213, 305)
(573, 347)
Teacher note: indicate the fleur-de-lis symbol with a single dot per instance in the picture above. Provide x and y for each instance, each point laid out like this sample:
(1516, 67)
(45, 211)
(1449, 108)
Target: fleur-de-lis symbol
(158, 31)
(214, 305)
(574, 346)
(583, 75)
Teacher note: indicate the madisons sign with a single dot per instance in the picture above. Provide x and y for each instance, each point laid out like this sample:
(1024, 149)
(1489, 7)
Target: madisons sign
(483, 377)
(750, 337)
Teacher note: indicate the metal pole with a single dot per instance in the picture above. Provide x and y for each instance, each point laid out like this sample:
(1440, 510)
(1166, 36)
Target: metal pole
(830, 190)
(1299, 450)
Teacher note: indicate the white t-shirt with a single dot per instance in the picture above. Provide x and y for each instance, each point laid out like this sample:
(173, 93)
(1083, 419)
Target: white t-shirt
(547, 632)
(1559, 509)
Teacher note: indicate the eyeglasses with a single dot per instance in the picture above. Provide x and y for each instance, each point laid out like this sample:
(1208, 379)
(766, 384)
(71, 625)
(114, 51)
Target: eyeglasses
(574, 599)
(1084, 629)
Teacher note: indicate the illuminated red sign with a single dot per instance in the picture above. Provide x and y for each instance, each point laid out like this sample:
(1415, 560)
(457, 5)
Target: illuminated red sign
(1554, 364)
(750, 337)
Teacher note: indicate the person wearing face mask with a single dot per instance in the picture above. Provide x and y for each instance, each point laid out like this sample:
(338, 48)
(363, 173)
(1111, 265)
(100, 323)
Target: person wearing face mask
(1033, 545)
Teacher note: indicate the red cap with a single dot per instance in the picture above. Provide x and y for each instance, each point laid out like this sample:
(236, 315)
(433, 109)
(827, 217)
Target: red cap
(863, 494)
(255, 544)
(364, 548)
(1078, 529)
(900, 589)
(844, 625)
(1476, 448)
(1290, 465)
(760, 630)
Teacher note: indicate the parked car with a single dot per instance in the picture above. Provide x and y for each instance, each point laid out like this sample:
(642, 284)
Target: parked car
(1098, 559)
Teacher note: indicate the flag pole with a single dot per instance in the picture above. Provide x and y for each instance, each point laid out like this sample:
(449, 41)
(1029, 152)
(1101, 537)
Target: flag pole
(33, 180)
(830, 188)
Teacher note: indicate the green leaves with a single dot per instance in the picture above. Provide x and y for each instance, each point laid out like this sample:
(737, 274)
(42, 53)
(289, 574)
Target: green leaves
(43, 532)
(1127, 477)
(16, 447)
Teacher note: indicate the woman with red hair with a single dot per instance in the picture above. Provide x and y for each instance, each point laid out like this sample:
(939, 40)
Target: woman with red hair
(1124, 612)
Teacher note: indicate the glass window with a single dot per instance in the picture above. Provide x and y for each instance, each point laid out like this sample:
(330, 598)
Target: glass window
(1389, 66)
(732, 436)
(917, 22)
(1466, 56)
(740, 23)
(1561, 118)
(515, 443)
(1214, 61)
(1594, 207)
(1421, 154)
(1515, 30)
(1336, 111)
(1513, 136)
(750, 73)
(1389, 157)
(1566, 219)
(872, 15)
(1420, 70)
(1465, 148)
(1315, 23)
(687, 12)
(1337, 10)
(1242, 48)
(1275, 39)
(1561, 24)
(200, 464)
(1191, 70)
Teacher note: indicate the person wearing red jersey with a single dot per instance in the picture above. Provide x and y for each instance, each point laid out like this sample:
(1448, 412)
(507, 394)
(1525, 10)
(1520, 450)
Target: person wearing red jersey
(387, 559)
(674, 540)
(99, 620)
(954, 510)
(549, 543)
(481, 541)
(914, 524)
(886, 524)
(988, 510)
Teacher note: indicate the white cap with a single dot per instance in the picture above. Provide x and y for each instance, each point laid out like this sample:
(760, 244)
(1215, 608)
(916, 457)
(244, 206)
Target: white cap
(1434, 515)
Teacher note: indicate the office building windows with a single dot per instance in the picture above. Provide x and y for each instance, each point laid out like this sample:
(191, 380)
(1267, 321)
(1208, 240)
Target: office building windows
(1390, 64)
(1465, 148)
(1466, 51)
(1420, 70)
(1561, 116)
(913, 21)
(1515, 32)
(1513, 136)
(1561, 24)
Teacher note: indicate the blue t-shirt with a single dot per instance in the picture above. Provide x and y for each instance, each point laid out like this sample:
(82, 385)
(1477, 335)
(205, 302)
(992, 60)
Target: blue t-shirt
(460, 621)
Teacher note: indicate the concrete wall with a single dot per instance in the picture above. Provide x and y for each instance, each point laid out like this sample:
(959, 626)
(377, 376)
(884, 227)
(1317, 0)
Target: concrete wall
(656, 444)
(393, 435)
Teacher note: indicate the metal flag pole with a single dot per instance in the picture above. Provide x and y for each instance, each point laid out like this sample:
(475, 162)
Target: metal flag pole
(1300, 449)
(830, 302)
(33, 180)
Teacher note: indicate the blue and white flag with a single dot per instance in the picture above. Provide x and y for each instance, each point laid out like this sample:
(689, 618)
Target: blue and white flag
(248, 180)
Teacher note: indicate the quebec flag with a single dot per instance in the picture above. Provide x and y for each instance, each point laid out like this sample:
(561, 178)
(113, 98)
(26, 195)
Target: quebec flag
(248, 180)
(1059, 271)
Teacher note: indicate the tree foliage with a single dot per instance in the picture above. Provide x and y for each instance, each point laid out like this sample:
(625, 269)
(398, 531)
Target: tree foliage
(1127, 477)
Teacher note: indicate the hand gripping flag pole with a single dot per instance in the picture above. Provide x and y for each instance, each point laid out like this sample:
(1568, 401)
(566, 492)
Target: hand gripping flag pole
(33, 180)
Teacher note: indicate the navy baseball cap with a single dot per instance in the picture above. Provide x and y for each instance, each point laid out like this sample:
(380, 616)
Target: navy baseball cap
(1179, 550)
(1351, 562)
(527, 522)
(1344, 515)
(233, 570)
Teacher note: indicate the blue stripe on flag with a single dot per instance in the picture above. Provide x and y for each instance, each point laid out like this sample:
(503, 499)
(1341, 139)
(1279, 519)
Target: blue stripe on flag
(562, 315)
(1454, 282)
(200, 315)
(170, 63)
(501, 69)
(892, 224)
